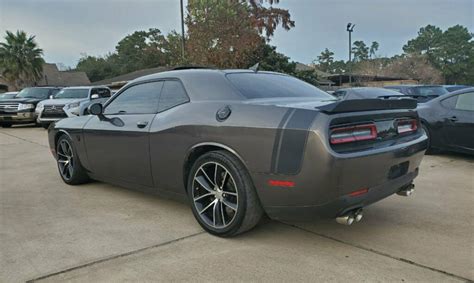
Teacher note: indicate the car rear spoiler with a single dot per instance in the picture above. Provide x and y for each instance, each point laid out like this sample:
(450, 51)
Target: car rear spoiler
(357, 105)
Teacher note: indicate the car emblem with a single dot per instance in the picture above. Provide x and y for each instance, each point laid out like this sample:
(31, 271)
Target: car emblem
(53, 107)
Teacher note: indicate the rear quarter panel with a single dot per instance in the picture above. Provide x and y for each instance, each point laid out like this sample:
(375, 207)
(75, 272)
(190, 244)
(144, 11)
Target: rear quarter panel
(249, 131)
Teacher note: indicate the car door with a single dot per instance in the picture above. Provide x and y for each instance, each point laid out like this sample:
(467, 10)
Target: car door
(117, 142)
(459, 123)
(168, 146)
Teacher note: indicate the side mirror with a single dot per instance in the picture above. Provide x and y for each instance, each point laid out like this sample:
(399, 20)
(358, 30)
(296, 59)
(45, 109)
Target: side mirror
(96, 109)
(94, 96)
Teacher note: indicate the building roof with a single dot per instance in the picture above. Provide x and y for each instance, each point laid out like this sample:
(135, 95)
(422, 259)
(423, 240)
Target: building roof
(53, 77)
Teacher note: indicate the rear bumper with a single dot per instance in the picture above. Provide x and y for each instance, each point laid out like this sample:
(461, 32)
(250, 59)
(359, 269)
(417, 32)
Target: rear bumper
(323, 186)
(342, 204)
(17, 117)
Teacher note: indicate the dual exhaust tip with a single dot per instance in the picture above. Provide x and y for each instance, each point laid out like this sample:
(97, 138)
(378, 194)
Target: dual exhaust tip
(351, 217)
(356, 215)
(407, 191)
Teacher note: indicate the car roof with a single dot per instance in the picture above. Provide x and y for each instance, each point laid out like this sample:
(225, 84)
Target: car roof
(84, 87)
(398, 86)
(204, 84)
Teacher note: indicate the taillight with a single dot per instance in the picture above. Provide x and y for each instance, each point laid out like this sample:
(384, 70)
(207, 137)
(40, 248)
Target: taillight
(407, 126)
(353, 133)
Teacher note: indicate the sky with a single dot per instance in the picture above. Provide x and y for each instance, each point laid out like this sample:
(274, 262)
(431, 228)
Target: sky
(68, 29)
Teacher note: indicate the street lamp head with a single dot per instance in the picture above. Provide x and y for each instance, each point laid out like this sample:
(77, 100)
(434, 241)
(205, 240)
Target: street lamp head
(350, 27)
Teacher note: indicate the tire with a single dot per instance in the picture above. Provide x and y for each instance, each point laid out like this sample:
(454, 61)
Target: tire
(429, 149)
(231, 209)
(69, 165)
(6, 125)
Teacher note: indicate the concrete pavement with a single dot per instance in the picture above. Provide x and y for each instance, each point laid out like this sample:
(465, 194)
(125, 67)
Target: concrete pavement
(98, 232)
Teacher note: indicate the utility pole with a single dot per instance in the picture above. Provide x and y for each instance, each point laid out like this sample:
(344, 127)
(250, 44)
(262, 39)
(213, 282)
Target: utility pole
(183, 43)
(350, 29)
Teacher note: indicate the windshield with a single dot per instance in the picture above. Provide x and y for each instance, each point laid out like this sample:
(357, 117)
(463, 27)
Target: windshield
(72, 93)
(265, 85)
(32, 92)
(429, 90)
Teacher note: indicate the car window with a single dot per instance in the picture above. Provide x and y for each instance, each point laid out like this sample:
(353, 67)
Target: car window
(73, 93)
(173, 94)
(449, 102)
(465, 101)
(265, 85)
(429, 90)
(54, 91)
(102, 92)
(39, 93)
(339, 93)
(137, 99)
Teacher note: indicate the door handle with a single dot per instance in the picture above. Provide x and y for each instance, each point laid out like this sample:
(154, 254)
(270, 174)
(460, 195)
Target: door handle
(142, 124)
(453, 119)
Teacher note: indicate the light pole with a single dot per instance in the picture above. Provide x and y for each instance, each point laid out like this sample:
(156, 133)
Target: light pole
(350, 29)
(183, 43)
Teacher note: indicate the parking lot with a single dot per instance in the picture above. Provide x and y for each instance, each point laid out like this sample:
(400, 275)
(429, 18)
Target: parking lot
(98, 232)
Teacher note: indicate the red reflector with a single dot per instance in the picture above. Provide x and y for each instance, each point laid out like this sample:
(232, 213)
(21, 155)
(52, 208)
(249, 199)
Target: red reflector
(359, 192)
(277, 183)
(353, 133)
(406, 126)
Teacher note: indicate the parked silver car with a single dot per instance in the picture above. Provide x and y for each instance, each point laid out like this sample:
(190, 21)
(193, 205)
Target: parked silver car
(67, 103)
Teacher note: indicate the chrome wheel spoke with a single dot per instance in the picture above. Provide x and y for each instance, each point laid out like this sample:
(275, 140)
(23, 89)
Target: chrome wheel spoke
(229, 205)
(207, 177)
(229, 193)
(207, 207)
(203, 196)
(224, 179)
(222, 214)
(214, 187)
(204, 184)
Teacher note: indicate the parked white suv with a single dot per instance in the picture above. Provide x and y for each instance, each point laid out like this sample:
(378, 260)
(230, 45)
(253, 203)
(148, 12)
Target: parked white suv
(67, 103)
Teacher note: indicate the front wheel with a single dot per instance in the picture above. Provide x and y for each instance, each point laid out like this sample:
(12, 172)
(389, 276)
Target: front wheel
(70, 168)
(6, 125)
(222, 195)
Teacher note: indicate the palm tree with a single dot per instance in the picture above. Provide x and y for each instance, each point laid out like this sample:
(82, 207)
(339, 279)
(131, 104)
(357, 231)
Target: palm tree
(20, 59)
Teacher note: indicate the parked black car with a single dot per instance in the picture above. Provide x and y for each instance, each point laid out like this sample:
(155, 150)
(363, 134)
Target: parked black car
(449, 121)
(452, 88)
(21, 109)
(366, 92)
(421, 93)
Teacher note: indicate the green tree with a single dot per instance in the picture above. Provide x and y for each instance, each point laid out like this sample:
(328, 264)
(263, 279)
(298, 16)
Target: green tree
(426, 42)
(271, 60)
(451, 51)
(325, 60)
(141, 49)
(226, 34)
(360, 51)
(21, 61)
(373, 48)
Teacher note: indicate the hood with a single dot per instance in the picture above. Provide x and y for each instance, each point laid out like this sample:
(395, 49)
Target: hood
(21, 100)
(62, 101)
(299, 102)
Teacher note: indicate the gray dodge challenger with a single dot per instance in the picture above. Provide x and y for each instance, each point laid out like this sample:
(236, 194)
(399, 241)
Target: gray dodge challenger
(238, 144)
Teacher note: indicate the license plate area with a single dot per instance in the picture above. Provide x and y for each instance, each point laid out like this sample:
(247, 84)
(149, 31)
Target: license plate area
(398, 170)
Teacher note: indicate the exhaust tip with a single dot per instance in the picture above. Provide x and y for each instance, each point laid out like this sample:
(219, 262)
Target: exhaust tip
(345, 220)
(407, 191)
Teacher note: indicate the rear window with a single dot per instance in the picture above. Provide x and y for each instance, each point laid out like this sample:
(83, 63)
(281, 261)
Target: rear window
(429, 90)
(264, 85)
